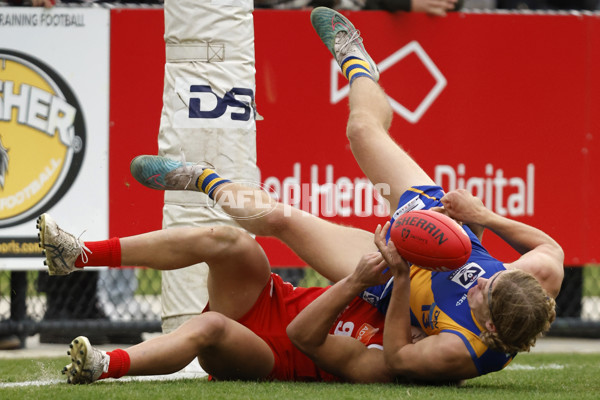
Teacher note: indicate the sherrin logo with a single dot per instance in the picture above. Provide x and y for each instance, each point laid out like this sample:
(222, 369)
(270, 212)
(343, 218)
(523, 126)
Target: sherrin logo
(42, 137)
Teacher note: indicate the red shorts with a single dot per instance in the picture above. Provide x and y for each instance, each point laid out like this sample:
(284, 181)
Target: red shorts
(274, 309)
(280, 302)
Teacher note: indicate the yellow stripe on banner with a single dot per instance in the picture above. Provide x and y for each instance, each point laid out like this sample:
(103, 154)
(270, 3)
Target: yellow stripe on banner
(422, 193)
(355, 61)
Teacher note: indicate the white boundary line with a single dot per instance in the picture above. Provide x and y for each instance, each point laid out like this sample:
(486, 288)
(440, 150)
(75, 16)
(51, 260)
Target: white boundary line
(150, 378)
(524, 367)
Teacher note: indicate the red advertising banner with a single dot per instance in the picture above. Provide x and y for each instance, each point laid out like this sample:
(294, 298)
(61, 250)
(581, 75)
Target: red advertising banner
(137, 54)
(499, 104)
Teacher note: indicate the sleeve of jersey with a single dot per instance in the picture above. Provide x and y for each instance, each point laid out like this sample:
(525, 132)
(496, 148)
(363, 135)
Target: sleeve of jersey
(487, 360)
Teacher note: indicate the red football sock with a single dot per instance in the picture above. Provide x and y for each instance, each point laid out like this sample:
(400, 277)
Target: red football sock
(119, 364)
(105, 253)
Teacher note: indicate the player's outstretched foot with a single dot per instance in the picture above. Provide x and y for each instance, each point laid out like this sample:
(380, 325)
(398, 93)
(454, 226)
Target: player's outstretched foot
(161, 173)
(60, 248)
(87, 362)
(341, 38)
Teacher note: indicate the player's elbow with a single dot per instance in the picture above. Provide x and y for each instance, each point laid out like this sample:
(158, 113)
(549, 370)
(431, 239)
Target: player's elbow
(394, 363)
(299, 337)
(559, 253)
(559, 256)
(549, 268)
(294, 332)
(552, 249)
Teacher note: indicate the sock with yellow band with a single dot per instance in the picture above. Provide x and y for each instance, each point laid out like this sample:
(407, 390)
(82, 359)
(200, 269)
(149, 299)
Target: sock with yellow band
(208, 181)
(354, 67)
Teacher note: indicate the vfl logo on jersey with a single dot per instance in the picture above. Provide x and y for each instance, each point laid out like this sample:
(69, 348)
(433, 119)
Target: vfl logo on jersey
(370, 298)
(467, 274)
(208, 105)
(42, 135)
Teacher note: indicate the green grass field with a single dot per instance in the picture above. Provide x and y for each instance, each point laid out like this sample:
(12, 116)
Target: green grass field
(530, 376)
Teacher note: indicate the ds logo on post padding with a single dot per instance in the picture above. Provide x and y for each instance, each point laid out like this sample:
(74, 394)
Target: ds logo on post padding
(237, 98)
(42, 136)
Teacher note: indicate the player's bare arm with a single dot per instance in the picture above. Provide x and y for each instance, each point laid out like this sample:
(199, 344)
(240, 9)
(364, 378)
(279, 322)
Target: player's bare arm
(437, 357)
(541, 255)
(340, 355)
(475, 228)
(440, 357)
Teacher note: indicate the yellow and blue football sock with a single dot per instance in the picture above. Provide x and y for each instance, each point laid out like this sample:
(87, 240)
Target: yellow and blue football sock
(208, 181)
(354, 67)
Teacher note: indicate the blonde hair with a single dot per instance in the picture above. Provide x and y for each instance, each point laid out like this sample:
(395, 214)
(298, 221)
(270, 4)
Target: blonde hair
(522, 311)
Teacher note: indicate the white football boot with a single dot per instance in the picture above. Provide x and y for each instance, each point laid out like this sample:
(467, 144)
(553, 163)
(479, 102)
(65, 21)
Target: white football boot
(60, 248)
(87, 362)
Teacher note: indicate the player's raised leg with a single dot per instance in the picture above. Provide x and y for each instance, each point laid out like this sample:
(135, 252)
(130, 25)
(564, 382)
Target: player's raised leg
(380, 158)
(330, 249)
(236, 261)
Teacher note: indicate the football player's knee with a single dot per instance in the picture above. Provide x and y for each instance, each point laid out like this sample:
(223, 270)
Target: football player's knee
(207, 328)
(228, 242)
(226, 236)
(359, 127)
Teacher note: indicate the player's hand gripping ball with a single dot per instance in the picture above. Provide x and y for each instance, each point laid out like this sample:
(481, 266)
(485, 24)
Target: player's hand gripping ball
(431, 240)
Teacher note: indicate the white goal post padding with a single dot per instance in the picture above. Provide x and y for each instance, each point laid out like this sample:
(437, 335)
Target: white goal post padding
(208, 113)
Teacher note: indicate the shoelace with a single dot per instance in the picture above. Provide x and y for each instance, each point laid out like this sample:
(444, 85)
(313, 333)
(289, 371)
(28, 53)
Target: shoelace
(84, 249)
(351, 38)
(187, 171)
(57, 251)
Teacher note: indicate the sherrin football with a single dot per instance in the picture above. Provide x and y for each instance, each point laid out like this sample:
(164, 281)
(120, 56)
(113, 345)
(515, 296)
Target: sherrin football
(431, 240)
